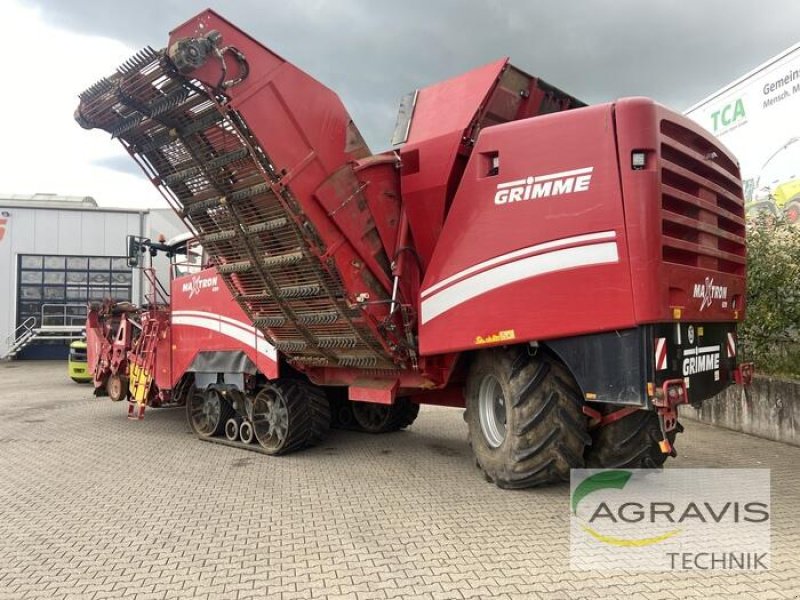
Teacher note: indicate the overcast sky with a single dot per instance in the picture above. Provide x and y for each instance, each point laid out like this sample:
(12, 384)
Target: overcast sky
(371, 53)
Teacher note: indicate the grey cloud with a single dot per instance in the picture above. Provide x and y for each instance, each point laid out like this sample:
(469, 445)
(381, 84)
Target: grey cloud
(121, 162)
(373, 52)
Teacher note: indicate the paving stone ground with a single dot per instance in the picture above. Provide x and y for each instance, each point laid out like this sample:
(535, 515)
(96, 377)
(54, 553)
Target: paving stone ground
(94, 506)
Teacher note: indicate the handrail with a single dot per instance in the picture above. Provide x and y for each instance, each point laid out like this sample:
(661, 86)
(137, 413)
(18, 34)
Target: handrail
(157, 295)
(27, 325)
(65, 319)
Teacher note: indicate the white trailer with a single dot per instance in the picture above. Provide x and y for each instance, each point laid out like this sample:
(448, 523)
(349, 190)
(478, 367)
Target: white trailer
(758, 118)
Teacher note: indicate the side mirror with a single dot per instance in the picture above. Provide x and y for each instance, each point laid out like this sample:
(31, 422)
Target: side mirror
(134, 251)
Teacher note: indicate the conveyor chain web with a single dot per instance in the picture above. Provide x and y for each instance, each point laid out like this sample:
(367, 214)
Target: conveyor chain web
(205, 159)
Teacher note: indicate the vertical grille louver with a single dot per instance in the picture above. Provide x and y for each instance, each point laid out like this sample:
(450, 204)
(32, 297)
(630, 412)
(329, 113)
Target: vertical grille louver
(702, 209)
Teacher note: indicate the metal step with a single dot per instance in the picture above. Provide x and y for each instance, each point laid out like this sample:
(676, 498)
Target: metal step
(51, 332)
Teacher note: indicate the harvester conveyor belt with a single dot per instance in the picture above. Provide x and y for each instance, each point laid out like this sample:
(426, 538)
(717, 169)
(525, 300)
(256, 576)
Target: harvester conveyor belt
(206, 161)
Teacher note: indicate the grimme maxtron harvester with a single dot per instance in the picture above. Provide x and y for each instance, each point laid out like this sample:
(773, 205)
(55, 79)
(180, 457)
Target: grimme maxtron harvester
(570, 274)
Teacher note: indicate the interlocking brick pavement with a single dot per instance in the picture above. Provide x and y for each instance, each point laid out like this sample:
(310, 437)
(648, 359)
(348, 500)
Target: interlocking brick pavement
(94, 506)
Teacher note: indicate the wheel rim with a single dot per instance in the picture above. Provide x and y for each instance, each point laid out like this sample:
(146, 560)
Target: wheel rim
(371, 416)
(492, 411)
(206, 410)
(115, 385)
(270, 419)
(232, 430)
(246, 432)
(792, 214)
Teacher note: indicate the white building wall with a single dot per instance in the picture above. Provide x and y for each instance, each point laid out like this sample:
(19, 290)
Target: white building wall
(77, 232)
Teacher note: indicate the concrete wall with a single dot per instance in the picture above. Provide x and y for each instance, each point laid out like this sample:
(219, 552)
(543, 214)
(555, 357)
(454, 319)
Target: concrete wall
(769, 408)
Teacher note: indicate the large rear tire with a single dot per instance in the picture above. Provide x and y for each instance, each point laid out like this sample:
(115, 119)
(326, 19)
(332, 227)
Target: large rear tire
(383, 418)
(629, 443)
(526, 425)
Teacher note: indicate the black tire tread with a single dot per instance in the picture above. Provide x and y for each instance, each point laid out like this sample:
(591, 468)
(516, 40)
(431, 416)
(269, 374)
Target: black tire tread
(320, 410)
(309, 413)
(631, 442)
(405, 414)
(398, 416)
(547, 431)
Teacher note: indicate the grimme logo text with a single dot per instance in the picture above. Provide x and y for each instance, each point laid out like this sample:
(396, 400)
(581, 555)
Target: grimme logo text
(543, 186)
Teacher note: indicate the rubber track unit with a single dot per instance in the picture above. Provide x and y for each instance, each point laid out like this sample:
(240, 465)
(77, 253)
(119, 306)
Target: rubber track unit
(546, 431)
(320, 411)
(310, 418)
(631, 442)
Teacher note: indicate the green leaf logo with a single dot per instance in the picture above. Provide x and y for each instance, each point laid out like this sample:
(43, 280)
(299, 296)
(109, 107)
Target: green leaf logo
(599, 481)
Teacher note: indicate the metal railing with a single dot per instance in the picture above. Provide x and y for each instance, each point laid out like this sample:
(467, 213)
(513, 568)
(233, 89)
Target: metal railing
(25, 328)
(62, 315)
(156, 294)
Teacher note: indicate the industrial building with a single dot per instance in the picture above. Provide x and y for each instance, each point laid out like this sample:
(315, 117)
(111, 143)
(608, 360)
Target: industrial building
(57, 253)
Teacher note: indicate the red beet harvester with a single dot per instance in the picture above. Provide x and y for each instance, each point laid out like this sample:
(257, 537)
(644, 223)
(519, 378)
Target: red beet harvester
(570, 274)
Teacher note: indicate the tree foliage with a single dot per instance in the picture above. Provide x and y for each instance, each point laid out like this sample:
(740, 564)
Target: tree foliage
(770, 335)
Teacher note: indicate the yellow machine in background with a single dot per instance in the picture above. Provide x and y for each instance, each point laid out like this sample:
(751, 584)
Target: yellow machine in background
(77, 365)
(778, 186)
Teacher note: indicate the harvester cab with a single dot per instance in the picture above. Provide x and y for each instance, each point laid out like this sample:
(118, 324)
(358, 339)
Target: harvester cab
(570, 274)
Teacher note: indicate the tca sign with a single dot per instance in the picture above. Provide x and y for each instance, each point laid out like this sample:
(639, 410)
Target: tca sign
(729, 115)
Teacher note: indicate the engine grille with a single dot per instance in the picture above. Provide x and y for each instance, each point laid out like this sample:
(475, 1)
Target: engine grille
(702, 209)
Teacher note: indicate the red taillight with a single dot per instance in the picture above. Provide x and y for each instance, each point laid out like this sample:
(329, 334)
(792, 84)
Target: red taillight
(673, 392)
(743, 374)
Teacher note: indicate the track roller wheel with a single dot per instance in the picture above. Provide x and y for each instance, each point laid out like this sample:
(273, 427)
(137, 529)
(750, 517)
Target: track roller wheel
(117, 387)
(524, 414)
(382, 418)
(207, 411)
(246, 432)
(232, 429)
(630, 442)
(289, 415)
